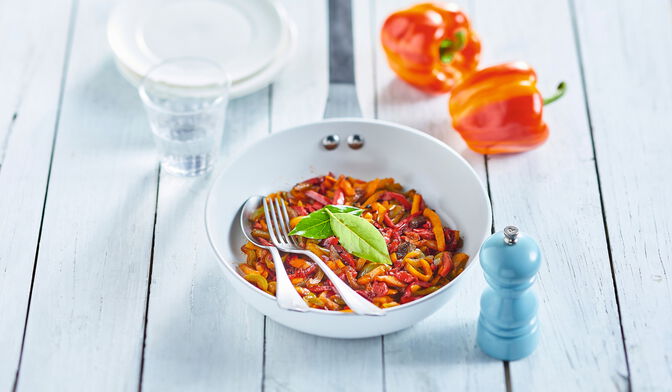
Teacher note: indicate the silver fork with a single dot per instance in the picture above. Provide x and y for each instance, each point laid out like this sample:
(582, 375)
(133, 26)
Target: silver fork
(278, 228)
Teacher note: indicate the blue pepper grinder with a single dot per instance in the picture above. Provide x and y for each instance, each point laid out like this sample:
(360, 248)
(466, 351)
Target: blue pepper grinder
(507, 326)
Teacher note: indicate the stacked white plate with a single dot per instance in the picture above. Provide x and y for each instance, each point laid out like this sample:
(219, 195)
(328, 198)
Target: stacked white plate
(252, 39)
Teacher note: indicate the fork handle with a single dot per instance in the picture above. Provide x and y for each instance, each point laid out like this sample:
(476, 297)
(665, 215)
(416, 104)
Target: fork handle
(285, 293)
(355, 301)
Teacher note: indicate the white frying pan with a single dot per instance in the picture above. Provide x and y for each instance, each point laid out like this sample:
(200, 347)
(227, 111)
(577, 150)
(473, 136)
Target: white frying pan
(442, 176)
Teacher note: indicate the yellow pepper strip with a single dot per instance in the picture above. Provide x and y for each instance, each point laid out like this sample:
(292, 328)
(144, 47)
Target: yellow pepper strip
(365, 279)
(257, 279)
(271, 288)
(390, 280)
(295, 221)
(262, 270)
(460, 259)
(372, 198)
(426, 291)
(381, 211)
(437, 228)
(390, 304)
(424, 265)
(415, 207)
(380, 301)
(371, 187)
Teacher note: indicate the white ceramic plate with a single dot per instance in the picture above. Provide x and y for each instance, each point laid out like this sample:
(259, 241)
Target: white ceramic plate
(245, 36)
(414, 159)
(250, 84)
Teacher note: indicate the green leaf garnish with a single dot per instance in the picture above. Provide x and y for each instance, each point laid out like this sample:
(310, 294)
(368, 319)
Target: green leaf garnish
(359, 237)
(316, 225)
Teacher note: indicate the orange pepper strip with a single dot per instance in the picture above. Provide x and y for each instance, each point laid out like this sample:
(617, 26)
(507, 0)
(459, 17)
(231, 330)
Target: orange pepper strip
(390, 280)
(346, 187)
(371, 187)
(437, 228)
(315, 249)
(373, 198)
(415, 207)
(295, 221)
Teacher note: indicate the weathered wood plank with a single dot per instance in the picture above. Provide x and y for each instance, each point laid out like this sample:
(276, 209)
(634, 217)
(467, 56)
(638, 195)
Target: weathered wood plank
(627, 59)
(200, 335)
(85, 326)
(293, 359)
(34, 47)
(552, 193)
(440, 351)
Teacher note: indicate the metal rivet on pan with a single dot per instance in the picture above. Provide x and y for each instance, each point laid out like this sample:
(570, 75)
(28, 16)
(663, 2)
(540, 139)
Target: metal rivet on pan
(330, 142)
(355, 142)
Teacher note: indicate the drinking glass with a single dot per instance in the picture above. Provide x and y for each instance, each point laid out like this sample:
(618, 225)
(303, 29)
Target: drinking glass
(185, 100)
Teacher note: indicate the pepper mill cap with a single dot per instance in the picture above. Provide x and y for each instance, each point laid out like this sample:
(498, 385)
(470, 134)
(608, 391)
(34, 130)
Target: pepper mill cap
(510, 258)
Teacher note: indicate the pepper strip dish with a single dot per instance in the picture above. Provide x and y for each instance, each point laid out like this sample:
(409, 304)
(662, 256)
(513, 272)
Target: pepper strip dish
(425, 254)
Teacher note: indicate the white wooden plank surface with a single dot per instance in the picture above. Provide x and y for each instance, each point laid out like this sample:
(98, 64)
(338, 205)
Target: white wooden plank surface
(440, 351)
(200, 335)
(627, 59)
(296, 361)
(85, 325)
(552, 193)
(34, 46)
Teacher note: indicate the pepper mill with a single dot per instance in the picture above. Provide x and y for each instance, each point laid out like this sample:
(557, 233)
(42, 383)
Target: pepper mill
(507, 326)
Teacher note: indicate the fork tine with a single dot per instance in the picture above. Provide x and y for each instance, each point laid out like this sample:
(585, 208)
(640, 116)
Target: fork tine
(275, 225)
(269, 224)
(286, 215)
(283, 221)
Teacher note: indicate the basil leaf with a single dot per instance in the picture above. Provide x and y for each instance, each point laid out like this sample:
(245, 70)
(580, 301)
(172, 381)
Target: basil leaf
(359, 237)
(316, 225)
(346, 209)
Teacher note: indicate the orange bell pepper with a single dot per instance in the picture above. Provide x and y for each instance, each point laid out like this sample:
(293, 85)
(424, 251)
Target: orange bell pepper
(498, 109)
(430, 45)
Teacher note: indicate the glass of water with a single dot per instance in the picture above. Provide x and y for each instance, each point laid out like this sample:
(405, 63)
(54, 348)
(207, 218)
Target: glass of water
(186, 100)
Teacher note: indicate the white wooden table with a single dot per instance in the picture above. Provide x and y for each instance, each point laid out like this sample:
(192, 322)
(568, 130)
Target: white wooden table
(107, 281)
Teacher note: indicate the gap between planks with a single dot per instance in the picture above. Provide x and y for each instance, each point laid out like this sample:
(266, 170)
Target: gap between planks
(579, 53)
(64, 73)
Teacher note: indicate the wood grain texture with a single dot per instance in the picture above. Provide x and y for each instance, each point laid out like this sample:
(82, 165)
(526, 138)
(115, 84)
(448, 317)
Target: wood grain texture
(296, 361)
(552, 193)
(85, 325)
(629, 90)
(200, 336)
(34, 47)
(440, 351)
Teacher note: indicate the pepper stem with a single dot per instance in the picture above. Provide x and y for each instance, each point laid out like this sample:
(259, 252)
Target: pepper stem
(559, 92)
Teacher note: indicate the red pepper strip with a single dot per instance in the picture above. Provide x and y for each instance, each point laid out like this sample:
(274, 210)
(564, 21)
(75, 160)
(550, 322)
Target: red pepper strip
(317, 197)
(408, 295)
(404, 222)
(446, 264)
(319, 289)
(388, 221)
(300, 210)
(379, 289)
(315, 180)
(365, 294)
(345, 256)
(264, 241)
(403, 276)
(398, 197)
(331, 241)
(339, 198)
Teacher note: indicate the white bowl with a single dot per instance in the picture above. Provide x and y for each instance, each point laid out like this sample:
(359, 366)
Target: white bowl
(415, 159)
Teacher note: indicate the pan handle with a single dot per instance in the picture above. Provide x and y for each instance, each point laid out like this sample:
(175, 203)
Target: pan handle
(342, 99)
